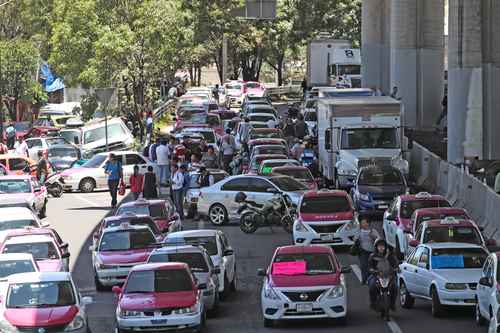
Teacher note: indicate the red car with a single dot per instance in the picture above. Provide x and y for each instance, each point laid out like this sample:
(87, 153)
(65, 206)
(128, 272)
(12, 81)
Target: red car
(132, 219)
(37, 131)
(427, 214)
(300, 173)
(303, 282)
(161, 210)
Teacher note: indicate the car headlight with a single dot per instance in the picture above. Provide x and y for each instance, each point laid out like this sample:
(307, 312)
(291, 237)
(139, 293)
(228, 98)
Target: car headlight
(99, 264)
(270, 293)
(401, 164)
(300, 227)
(455, 286)
(129, 313)
(335, 292)
(364, 196)
(185, 311)
(77, 323)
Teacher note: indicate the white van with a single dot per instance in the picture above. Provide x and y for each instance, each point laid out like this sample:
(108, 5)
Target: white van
(93, 137)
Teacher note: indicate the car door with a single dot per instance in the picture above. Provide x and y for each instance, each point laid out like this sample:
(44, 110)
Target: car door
(484, 290)
(229, 260)
(423, 273)
(409, 269)
(228, 193)
(259, 190)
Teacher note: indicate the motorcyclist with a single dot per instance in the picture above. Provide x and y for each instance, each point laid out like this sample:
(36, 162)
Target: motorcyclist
(42, 168)
(381, 255)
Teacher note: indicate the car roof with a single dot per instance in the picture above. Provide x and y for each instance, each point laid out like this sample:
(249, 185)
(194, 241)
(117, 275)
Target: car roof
(15, 256)
(178, 249)
(421, 196)
(289, 167)
(450, 245)
(127, 217)
(22, 239)
(193, 233)
(26, 231)
(444, 223)
(130, 227)
(160, 266)
(143, 202)
(13, 213)
(440, 210)
(39, 277)
(292, 249)
(325, 193)
(267, 145)
(275, 160)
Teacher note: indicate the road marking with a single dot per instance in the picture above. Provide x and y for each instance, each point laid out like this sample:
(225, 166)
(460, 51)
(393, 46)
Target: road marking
(357, 271)
(90, 202)
(394, 327)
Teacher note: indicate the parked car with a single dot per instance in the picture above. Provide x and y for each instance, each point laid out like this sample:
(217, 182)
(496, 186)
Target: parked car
(90, 176)
(218, 201)
(303, 282)
(19, 218)
(201, 266)
(254, 88)
(300, 173)
(218, 248)
(40, 302)
(15, 263)
(447, 274)
(94, 137)
(397, 219)
(487, 294)
(27, 188)
(17, 164)
(160, 297)
(327, 218)
(376, 187)
(193, 193)
(256, 161)
(62, 157)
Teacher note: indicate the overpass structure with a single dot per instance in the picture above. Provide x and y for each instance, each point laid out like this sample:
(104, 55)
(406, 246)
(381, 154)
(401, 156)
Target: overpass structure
(403, 46)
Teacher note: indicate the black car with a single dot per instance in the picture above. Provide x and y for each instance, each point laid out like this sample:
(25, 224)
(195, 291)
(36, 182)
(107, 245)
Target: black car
(376, 187)
(62, 156)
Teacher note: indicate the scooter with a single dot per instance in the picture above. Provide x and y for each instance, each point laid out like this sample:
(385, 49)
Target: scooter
(277, 211)
(385, 281)
(53, 185)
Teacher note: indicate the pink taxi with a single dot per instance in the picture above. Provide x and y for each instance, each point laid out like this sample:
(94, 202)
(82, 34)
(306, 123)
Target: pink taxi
(27, 188)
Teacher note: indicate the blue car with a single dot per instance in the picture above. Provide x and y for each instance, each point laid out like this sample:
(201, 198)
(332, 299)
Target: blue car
(376, 187)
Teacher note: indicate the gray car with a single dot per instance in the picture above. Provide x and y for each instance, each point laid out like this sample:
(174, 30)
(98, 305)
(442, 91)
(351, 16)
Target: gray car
(218, 204)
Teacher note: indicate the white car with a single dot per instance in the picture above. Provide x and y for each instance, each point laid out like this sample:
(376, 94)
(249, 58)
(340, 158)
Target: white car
(219, 249)
(15, 263)
(25, 187)
(90, 176)
(263, 117)
(94, 137)
(18, 218)
(447, 274)
(42, 144)
(43, 302)
(488, 294)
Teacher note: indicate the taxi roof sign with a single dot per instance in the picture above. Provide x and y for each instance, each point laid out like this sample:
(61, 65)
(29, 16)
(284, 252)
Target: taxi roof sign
(449, 220)
(423, 195)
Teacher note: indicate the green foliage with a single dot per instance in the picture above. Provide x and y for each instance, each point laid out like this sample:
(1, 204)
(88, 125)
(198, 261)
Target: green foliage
(88, 104)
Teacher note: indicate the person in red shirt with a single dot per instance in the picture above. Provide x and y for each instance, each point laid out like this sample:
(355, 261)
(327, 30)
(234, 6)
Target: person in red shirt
(136, 182)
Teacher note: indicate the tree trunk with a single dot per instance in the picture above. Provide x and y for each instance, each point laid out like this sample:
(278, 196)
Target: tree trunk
(279, 70)
(199, 75)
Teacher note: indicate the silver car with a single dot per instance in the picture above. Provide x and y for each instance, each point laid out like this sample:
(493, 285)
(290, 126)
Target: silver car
(218, 204)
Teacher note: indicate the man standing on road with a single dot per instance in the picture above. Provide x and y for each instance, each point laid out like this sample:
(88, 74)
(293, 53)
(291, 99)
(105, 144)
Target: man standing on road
(177, 183)
(113, 169)
(21, 147)
(152, 150)
(215, 93)
(300, 127)
(42, 170)
(162, 159)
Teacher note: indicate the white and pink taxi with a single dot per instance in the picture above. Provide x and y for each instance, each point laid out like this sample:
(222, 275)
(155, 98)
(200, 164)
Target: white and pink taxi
(27, 188)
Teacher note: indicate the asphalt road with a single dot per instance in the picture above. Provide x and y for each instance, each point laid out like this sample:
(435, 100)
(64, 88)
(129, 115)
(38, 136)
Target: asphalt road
(75, 216)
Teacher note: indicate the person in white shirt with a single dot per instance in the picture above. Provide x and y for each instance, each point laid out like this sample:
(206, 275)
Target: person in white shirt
(177, 183)
(21, 147)
(162, 159)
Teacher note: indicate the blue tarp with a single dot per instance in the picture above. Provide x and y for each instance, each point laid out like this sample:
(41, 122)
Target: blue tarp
(49, 81)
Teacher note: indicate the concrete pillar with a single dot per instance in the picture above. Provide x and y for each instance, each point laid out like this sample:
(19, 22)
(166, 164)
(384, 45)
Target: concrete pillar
(375, 44)
(417, 58)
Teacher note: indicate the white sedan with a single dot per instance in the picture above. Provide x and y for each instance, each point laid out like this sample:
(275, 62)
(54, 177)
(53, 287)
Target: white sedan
(488, 294)
(444, 273)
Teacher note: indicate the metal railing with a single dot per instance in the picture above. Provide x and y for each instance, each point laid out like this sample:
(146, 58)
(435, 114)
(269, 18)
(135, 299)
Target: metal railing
(283, 90)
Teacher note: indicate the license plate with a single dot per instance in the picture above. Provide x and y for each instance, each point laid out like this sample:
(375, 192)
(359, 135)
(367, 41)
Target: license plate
(383, 206)
(326, 237)
(158, 321)
(304, 307)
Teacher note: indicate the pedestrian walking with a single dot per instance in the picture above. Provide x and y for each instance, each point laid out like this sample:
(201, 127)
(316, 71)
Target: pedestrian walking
(289, 130)
(303, 85)
(365, 246)
(21, 147)
(149, 187)
(152, 149)
(136, 182)
(42, 167)
(301, 130)
(227, 152)
(113, 169)
(10, 132)
(177, 184)
(149, 125)
(163, 161)
(215, 93)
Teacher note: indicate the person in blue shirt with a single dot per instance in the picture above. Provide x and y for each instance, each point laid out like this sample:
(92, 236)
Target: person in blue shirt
(113, 169)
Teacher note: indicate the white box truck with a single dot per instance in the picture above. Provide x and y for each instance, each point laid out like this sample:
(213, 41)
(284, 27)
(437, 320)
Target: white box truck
(358, 131)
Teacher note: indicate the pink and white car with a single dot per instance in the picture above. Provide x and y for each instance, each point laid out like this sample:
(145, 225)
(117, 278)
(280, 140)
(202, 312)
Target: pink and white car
(25, 187)
(303, 282)
(234, 92)
(118, 250)
(252, 88)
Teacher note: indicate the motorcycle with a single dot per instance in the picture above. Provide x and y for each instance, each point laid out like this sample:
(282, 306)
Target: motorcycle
(385, 282)
(53, 185)
(277, 211)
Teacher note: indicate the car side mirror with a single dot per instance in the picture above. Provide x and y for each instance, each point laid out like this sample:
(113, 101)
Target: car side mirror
(261, 272)
(91, 248)
(116, 290)
(65, 255)
(414, 243)
(491, 242)
(202, 286)
(64, 246)
(87, 300)
(484, 281)
(228, 252)
(346, 269)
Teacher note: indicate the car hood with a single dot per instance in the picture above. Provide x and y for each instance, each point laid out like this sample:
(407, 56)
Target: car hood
(394, 190)
(124, 257)
(52, 265)
(62, 162)
(286, 281)
(459, 276)
(180, 299)
(73, 171)
(313, 217)
(35, 317)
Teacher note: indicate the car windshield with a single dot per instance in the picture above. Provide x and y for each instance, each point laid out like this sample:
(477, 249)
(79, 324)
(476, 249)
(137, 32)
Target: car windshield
(40, 251)
(40, 294)
(310, 116)
(115, 131)
(370, 138)
(209, 243)
(315, 263)
(15, 186)
(408, 207)
(126, 240)
(458, 258)
(233, 86)
(71, 135)
(378, 177)
(9, 267)
(261, 110)
(453, 234)
(68, 152)
(135, 221)
(56, 141)
(265, 135)
(95, 161)
(196, 261)
(300, 174)
(17, 224)
(253, 85)
(155, 211)
(424, 218)
(262, 118)
(288, 184)
(209, 136)
(269, 150)
(158, 281)
(325, 205)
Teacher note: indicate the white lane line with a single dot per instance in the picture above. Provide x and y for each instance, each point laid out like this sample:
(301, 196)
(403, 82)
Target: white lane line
(90, 202)
(357, 271)
(394, 327)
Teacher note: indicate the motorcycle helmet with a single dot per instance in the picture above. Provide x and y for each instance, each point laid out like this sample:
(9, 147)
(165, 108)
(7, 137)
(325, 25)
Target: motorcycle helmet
(378, 242)
(240, 197)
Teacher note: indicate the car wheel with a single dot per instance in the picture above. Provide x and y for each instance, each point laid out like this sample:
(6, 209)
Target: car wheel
(437, 308)
(87, 185)
(480, 321)
(217, 214)
(98, 285)
(405, 299)
(268, 323)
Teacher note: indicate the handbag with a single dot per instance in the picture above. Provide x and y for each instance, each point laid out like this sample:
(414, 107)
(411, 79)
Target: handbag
(355, 249)
(121, 190)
